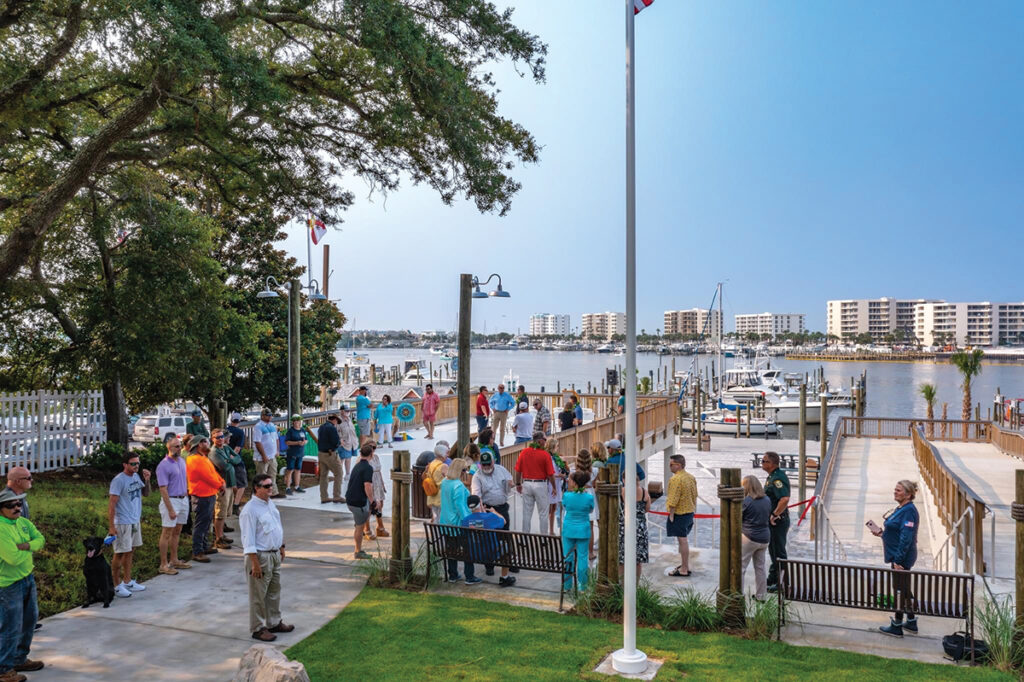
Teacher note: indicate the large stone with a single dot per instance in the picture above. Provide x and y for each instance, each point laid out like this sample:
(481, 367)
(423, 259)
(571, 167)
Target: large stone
(264, 663)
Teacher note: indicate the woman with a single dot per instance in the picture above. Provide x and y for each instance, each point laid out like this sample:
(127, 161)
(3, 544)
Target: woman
(379, 491)
(555, 491)
(453, 509)
(643, 505)
(756, 510)
(584, 463)
(899, 540)
(471, 453)
(485, 439)
(385, 417)
(437, 470)
(598, 452)
(576, 528)
(349, 439)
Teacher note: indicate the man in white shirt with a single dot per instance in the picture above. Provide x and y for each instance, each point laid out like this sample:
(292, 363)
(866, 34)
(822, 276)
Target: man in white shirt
(522, 425)
(267, 441)
(263, 545)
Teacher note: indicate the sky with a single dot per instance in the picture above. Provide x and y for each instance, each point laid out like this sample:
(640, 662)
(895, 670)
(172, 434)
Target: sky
(797, 152)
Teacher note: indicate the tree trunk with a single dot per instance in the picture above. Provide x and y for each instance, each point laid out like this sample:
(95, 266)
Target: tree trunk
(931, 416)
(117, 414)
(967, 401)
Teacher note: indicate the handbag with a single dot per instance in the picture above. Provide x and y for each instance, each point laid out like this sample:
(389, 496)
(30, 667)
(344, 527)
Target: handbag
(957, 648)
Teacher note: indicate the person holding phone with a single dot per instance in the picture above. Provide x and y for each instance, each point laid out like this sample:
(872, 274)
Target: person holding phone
(899, 541)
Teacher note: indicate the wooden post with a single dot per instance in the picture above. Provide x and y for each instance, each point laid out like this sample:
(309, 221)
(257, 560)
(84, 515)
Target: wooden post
(1018, 515)
(945, 407)
(462, 378)
(698, 422)
(401, 558)
(802, 437)
(748, 421)
(373, 373)
(739, 421)
(729, 599)
(824, 431)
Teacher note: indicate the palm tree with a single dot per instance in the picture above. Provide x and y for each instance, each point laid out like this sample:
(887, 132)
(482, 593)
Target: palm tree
(930, 394)
(969, 364)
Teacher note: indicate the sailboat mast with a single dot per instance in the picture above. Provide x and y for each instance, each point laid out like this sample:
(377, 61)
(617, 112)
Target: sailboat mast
(721, 340)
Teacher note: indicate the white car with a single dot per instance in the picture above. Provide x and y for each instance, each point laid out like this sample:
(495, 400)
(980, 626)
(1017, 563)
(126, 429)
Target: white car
(55, 452)
(151, 429)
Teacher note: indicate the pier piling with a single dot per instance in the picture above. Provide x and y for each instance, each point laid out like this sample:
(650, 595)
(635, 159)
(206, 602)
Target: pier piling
(802, 436)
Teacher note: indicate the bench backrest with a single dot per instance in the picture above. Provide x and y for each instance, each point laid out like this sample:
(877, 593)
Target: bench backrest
(876, 588)
(528, 551)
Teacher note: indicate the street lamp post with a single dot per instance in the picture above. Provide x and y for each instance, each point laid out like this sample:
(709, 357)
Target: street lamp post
(469, 288)
(294, 337)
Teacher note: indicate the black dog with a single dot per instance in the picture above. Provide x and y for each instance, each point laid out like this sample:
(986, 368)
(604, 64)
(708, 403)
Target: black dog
(99, 585)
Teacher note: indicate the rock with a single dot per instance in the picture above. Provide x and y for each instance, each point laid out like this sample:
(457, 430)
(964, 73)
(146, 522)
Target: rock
(265, 663)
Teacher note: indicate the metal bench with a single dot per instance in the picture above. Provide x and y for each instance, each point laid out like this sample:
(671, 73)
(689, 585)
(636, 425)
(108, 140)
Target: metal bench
(525, 551)
(876, 588)
(789, 463)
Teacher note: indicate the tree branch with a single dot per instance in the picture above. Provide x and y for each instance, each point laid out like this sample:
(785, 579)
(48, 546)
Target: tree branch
(14, 91)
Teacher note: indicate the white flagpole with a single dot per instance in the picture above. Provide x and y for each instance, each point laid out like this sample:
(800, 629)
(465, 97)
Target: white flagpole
(309, 253)
(627, 659)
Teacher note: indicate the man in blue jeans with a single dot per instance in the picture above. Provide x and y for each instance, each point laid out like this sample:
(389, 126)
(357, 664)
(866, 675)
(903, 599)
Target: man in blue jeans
(19, 539)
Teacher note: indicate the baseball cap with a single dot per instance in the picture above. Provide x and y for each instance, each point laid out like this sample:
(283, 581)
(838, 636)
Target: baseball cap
(8, 495)
(343, 408)
(524, 406)
(363, 388)
(266, 412)
(197, 413)
(473, 501)
(486, 458)
(296, 416)
(236, 417)
(613, 443)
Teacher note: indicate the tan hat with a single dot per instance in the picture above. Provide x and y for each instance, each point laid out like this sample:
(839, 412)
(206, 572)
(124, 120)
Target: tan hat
(8, 495)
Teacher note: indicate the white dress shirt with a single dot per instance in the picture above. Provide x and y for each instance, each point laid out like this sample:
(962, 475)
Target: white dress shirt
(261, 526)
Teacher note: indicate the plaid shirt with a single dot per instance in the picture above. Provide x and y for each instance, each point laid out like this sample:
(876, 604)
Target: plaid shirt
(543, 415)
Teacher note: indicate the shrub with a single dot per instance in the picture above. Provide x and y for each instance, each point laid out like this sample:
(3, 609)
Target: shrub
(606, 602)
(150, 456)
(690, 610)
(107, 457)
(377, 571)
(763, 617)
(1005, 640)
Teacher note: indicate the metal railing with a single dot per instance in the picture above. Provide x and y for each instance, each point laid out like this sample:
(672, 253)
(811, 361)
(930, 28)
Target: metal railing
(954, 553)
(899, 428)
(827, 545)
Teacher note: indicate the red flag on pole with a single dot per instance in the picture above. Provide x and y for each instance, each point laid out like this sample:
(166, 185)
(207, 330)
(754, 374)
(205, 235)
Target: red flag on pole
(640, 4)
(317, 229)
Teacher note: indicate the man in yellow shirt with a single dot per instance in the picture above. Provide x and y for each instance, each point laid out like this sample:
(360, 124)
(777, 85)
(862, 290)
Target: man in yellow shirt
(681, 503)
(19, 540)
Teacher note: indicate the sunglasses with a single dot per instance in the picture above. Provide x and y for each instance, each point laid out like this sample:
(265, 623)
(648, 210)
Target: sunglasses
(266, 485)
(133, 464)
(218, 437)
(12, 505)
(24, 478)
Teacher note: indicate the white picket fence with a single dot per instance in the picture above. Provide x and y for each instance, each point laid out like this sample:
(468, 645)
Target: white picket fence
(47, 430)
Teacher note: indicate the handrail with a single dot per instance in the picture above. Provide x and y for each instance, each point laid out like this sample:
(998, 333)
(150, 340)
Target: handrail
(827, 544)
(825, 468)
(1009, 442)
(955, 543)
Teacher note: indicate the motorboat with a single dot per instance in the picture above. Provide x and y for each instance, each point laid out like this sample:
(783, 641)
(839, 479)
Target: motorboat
(605, 348)
(724, 422)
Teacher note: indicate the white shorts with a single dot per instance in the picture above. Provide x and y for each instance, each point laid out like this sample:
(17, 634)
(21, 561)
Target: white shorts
(180, 506)
(129, 536)
(384, 436)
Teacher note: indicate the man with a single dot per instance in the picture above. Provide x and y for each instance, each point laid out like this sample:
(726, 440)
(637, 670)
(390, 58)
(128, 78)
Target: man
(501, 403)
(488, 520)
(203, 485)
(327, 443)
(19, 481)
(267, 441)
(776, 487)
(223, 459)
(172, 478)
(236, 440)
(492, 483)
(431, 401)
(295, 441)
(681, 503)
(124, 514)
(196, 427)
(566, 418)
(359, 495)
(615, 456)
(19, 539)
(577, 411)
(521, 396)
(534, 474)
(363, 415)
(622, 401)
(483, 409)
(522, 425)
(542, 417)
(349, 439)
(263, 544)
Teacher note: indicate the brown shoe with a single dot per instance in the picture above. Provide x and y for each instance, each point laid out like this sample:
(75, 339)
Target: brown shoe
(201, 558)
(339, 500)
(29, 666)
(264, 635)
(181, 565)
(381, 533)
(167, 570)
(221, 544)
(282, 627)
(12, 676)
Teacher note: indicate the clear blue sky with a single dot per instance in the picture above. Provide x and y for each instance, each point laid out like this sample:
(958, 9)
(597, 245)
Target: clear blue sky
(799, 152)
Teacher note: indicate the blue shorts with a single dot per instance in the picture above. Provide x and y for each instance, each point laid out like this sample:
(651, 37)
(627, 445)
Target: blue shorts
(346, 454)
(293, 461)
(680, 526)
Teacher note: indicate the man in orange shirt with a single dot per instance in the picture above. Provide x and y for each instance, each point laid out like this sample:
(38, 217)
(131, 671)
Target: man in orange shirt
(535, 477)
(203, 485)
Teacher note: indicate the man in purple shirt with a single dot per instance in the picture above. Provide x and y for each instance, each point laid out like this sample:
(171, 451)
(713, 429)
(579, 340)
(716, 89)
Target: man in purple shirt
(172, 478)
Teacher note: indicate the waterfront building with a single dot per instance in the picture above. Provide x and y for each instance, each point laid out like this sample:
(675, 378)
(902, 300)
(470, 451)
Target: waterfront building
(603, 325)
(878, 317)
(930, 321)
(693, 321)
(546, 324)
(769, 323)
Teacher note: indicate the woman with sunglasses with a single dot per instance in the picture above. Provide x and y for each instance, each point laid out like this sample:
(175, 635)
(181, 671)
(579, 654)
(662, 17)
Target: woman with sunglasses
(19, 539)
(899, 540)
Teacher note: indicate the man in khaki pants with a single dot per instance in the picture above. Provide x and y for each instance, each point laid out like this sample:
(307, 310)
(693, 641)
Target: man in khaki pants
(263, 544)
(266, 440)
(327, 443)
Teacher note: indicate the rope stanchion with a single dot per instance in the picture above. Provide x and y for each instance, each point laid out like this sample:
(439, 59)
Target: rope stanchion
(718, 516)
(1017, 511)
(726, 492)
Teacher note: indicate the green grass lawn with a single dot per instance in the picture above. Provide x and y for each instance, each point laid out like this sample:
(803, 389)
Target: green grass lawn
(393, 635)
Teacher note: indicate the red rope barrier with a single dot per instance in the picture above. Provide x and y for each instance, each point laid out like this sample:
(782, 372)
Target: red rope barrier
(718, 516)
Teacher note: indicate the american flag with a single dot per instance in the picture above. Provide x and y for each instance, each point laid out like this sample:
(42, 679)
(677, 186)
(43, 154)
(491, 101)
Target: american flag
(640, 4)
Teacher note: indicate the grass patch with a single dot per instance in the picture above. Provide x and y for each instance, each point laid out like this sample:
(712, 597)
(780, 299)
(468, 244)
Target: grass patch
(393, 635)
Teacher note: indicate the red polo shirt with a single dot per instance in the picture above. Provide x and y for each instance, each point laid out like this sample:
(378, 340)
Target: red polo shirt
(482, 407)
(535, 464)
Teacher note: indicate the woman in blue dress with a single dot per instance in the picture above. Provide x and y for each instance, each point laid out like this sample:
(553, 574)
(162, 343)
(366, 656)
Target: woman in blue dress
(578, 503)
(899, 540)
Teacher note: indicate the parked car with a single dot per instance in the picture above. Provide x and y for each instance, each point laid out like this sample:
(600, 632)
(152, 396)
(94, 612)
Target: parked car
(59, 450)
(151, 429)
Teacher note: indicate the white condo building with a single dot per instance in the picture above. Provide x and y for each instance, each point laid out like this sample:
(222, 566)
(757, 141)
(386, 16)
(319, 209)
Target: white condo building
(693, 321)
(603, 325)
(546, 324)
(930, 321)
(769, 323)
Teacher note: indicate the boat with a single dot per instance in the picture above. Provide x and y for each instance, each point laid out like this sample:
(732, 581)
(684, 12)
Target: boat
(436, 350)
(724, 422)
(606, 348)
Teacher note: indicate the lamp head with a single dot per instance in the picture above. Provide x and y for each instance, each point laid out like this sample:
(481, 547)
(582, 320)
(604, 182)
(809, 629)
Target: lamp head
(477, 293)
(500, 293)
(317, 296)
(267, 293)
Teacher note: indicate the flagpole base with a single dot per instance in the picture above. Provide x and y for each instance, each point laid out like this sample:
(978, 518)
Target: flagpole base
(629, 662)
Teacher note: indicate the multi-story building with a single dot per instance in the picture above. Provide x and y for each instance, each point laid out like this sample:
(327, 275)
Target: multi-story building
(546, 324)
(772, 324)
(603, 325)
(930, 321)
(693, 321)
(878, 317)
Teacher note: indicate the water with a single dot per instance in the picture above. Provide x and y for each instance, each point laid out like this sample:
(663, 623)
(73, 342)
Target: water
(893, 388)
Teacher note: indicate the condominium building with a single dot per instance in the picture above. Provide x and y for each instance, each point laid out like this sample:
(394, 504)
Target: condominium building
(694, 321)
(772, 324)
(603, 325)
(878, 317)
(930, 321)
(546, 324)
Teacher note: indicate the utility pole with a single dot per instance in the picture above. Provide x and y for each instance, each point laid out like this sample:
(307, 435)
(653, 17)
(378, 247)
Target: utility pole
(462, 378)
(294, 305)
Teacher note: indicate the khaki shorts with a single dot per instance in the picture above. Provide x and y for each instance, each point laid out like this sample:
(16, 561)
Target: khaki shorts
(129, 536)
(223, 508)
(180, 506)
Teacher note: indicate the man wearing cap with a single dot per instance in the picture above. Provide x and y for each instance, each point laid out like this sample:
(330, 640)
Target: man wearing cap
(295, 441)
(328, 441)
(172, 478)
(534, 473)
(203, 485)
(196, 427)
(489, 549)
(223, 459)
(492, 483)
(522, 425)
(542, 417)
(19, 480)
(19, 539)
(124, 513)
(431, 401)
(483, 409)
(501, 402)
(615, 456)
(349, 447)
(266, 440)
(236, 440)
(363, 415)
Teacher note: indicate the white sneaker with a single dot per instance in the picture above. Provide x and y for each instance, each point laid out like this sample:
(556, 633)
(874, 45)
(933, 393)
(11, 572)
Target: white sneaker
(135, 587)
(122, 591)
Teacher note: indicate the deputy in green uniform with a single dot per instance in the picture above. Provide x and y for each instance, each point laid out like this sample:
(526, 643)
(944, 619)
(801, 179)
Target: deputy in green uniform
(776, 487)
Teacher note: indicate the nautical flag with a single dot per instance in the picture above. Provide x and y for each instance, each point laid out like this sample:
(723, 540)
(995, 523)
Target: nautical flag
(316, 229)
(640, 4)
